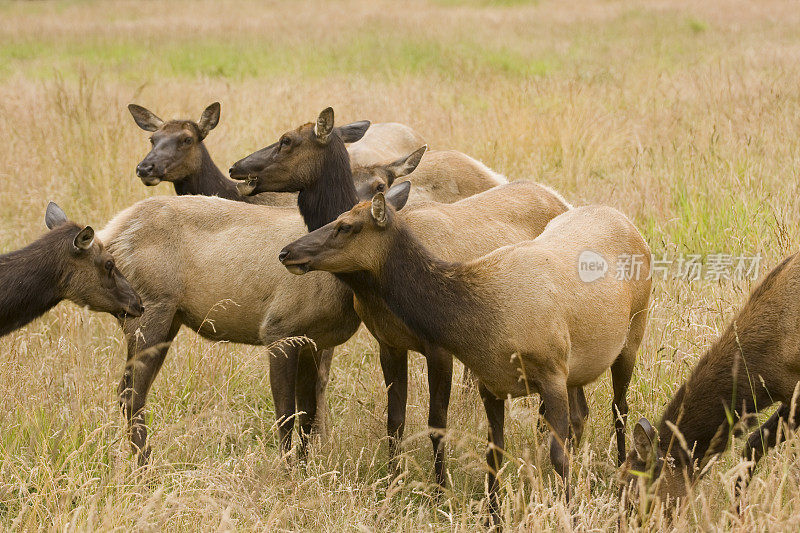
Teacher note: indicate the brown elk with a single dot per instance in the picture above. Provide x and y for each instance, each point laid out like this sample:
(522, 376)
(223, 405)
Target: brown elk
(444, 176)
(179, 155)
(754, 363)
(521, 318)
(207, 263)
(463, 230)
(67, 263)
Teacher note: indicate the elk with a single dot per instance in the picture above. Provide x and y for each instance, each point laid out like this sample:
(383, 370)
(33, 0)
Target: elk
(520, 317)
(67, 263)
(444, 176)
(460, 231)
(754, 364)
(384, 142)
(179, 155)
(207, 263)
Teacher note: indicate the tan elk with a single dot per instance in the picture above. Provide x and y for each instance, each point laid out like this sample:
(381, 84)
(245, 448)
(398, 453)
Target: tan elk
(67, 263)
(210, 264)
(463, 230)
(384, 142)
(754, 364)
(179, 155)
(444, 176)
(521, 317)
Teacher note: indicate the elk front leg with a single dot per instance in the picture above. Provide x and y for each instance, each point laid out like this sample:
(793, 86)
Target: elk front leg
(495, 414)
(764, 438)
(578, 413)
(312, 377)
(149, 338)
(394, 363)
(440, 381)
(282, 378)
(553, 390)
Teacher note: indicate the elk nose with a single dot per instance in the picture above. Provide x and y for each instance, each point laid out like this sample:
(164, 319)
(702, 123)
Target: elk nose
(281, 256)
(144, 169)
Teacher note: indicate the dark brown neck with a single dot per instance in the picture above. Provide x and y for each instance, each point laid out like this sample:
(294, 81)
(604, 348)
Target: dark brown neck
(442, 303)
(30, 279)
(208, 181)
(333, 191)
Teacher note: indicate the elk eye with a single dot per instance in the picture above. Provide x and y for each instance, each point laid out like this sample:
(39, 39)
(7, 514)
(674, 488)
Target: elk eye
(380, 187)
(187, 140)
(345, 228)
(285, 141)
(109, 265)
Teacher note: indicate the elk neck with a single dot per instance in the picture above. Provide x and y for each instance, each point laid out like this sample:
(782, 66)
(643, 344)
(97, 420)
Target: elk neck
(445, 304)
(332, 192)
(30, 279)
(208, 181)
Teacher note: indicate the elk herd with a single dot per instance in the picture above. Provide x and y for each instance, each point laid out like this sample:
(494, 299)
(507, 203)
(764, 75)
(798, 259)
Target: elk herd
(433, 252)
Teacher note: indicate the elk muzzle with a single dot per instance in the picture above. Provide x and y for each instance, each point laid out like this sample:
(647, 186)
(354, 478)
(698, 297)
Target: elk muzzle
(294, 260)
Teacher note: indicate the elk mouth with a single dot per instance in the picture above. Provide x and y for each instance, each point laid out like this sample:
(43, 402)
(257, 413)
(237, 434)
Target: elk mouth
(247, 186)
(150, 181)
(297, 268)
(131, 311)
(294, 265)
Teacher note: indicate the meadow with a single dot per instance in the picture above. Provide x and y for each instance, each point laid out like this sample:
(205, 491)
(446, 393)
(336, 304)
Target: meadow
(683, 115)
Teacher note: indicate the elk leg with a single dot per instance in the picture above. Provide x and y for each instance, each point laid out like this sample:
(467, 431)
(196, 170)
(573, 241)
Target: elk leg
(765, 438)
(553, 391)
(440, 380)
(149, 338)
(495, 414)
(578, 413)
(394, 363)
(308, 391)
(324, 359)
(282, 379)
(621, 372)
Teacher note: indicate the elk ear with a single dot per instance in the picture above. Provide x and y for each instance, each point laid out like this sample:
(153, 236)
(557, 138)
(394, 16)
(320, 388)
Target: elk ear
(405, 165)
(398, 195)
(324, 125)
(54, 216)
(145, 118)
(84, 239)
(209, 119)
(378, 209)
(353, 132)
(644, 439)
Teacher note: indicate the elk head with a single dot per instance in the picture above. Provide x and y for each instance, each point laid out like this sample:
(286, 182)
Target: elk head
(176, 151)
(88, 274)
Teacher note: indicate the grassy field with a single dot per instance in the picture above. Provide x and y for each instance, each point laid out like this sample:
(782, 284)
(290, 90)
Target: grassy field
(684, 115)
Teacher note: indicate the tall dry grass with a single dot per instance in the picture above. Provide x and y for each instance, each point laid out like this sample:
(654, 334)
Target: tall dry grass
(684, 115)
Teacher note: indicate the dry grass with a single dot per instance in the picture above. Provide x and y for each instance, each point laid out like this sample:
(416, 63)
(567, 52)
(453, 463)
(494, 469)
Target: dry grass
(685, 115)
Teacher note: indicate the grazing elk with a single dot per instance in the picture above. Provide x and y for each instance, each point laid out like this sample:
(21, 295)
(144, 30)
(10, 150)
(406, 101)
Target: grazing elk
(463, 230)
(754, 363)
(210, 264)
(67, 263)
(443, 176)
(179, 155)
(521, 318)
